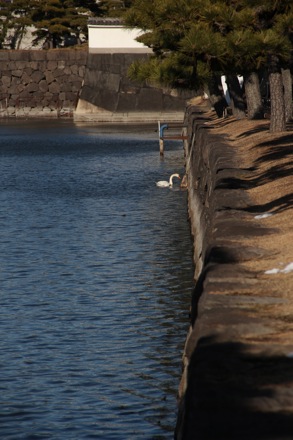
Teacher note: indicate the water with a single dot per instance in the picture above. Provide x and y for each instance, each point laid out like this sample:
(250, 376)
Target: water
(95, 282)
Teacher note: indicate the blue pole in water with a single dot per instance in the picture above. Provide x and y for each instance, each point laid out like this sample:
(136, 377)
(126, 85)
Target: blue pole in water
(161, 130)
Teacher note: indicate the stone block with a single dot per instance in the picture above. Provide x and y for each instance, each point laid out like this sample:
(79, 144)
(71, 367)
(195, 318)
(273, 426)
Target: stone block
(67, 70)
(43, 86)
(111, 81)
(15, 81)
(42, 66)
(65, 87)
(4, 65)
(11, 110)
(38, 55)
(28, 70)
(149, 100)
(58, 54)
(17, 73)
(73, 69)
(80, 57)
(12, 66)
(34, 65)
(62, 96)
(49, 77)
(61, 64)
(35, 111)
(19, 65)
(170, 104)
(70, 96)
(75, 86)
(104, 98)
(46, 101)
(6, 81)
(126, 102)
(20, 88)
(5, 72)
(47, 109)
(99, 61)
(116, 68)
(38, 97)
(73, 78)
(55, 99)
(4, 55)
(81, 71)
(92, 77)
(129, 58)
(51, 65)
(21, 97)
(37, 76)
(57, 73)
(23, 111)
(32, 87)
(25, 79)
(54, 87)
(19, 55)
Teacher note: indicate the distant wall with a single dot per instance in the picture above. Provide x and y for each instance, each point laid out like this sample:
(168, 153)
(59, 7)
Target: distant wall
(109, 95)
(39, 83)
(117, 37)
(86, 86)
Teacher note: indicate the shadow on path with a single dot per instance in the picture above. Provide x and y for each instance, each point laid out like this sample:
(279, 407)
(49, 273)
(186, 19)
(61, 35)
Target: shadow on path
(234, 394)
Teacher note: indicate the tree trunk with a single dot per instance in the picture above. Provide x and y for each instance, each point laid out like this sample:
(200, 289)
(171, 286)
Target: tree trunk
(20, 36)
(253, 96)
(236, 95)
(287, 83)
(278, 118)
(216, 96)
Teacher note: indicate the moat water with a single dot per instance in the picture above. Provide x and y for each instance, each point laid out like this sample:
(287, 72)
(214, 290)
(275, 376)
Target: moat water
(95, 282)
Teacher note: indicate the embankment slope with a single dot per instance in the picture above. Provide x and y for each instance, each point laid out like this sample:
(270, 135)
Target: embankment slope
(237, 381)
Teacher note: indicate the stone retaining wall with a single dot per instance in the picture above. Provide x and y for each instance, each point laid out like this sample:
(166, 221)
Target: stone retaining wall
(35, 83)
(108, 95)
(237, 360)
(86, 86)
(215, 212)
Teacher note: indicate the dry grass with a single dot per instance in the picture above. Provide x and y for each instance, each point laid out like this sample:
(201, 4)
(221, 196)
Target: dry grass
(269, 158)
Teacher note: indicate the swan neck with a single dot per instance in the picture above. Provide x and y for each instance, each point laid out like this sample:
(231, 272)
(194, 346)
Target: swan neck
(171, 179)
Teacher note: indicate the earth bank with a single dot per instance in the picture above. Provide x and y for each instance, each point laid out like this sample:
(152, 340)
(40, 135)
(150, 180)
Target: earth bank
(237, 380)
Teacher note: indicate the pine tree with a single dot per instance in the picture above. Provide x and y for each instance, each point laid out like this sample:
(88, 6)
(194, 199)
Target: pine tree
(166, 24)
(271, 48)
(54, 20)
(216, 37)
(114, 8)
(15, 18)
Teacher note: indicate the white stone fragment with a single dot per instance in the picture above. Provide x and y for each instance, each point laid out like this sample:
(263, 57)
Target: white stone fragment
(287, 269)
(272, 271)
(265, 215)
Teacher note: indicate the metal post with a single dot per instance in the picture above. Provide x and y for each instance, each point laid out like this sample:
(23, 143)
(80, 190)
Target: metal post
(161, 136)
(161, 147)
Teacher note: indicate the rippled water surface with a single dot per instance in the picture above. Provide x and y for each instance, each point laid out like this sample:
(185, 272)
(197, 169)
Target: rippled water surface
(95, 281)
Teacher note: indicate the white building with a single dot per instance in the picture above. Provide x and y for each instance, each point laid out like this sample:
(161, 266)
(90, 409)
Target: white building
(106, 35)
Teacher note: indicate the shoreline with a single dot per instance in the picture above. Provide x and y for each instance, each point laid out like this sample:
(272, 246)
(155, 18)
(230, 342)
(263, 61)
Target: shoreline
(237, 359)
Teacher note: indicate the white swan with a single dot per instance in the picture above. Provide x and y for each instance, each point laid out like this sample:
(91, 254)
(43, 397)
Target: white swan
(165, 183)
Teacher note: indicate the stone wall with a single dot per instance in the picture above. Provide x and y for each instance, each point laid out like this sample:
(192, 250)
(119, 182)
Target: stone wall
(86, 86)
(237, 360)
(109, 95)
(36, 83)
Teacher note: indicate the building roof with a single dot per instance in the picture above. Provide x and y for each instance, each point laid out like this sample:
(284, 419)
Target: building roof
(100, 21)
